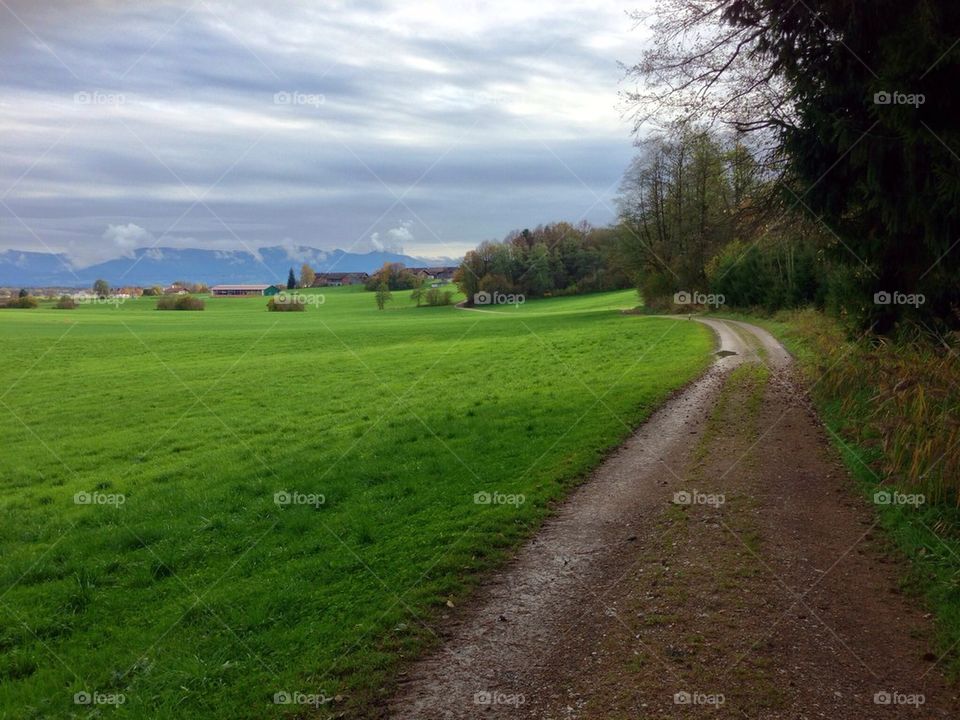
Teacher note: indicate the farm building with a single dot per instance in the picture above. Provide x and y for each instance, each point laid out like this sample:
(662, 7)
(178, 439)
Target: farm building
(243, 290)
(433, 273)
(338, 279)
(126, 292)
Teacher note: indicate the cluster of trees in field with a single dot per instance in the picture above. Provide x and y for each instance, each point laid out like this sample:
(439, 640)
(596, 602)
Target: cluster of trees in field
(390, 277)
(395, 276)
(554, 259)
(23, 300)
(180, 302)
(699, 212)
(851, 197)
(307, 276)
(432, 296)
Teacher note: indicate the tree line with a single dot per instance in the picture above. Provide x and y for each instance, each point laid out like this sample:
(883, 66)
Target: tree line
(851, 113)
(699, 214)
(554, 259)
(790, 154)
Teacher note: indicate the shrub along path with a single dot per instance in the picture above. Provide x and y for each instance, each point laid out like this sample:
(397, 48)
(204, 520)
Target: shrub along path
(721, 560)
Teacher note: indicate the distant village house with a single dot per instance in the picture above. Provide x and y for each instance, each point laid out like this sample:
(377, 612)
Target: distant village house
(126, 292)
(243, 290)
(444, 273)
(338, 279)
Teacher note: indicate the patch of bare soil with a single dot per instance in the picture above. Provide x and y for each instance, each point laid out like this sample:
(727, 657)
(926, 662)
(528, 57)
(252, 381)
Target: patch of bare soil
(722, 563)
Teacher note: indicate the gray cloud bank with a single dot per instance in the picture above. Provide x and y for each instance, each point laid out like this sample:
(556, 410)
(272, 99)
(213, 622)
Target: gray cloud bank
(364, 125)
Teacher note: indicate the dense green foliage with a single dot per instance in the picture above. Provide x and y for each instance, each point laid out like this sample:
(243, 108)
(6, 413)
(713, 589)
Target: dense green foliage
(293, 303)
(438, 296)
(880, 172)
(383, 295)
(853, 109)
(21, 302)
(554, 259)
(698, 216)
(432, 296)
(180, 302)
(394, 275)
(780, 275)
(201, 594)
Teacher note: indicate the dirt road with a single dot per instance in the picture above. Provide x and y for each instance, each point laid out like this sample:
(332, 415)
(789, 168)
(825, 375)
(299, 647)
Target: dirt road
(721, 561)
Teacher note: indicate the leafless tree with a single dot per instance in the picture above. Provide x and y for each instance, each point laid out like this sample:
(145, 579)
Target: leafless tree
(709, 66)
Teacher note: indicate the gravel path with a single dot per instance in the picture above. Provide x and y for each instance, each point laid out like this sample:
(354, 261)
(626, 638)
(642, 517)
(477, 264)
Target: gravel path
(563, 630)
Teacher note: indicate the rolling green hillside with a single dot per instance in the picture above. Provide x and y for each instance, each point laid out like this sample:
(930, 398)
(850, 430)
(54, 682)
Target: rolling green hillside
(203, 509)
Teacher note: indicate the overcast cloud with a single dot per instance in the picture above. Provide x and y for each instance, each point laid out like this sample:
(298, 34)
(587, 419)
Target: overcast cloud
(427, 126)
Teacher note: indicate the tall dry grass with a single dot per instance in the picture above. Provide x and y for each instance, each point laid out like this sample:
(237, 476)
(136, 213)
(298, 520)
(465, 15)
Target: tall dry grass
(901, 396)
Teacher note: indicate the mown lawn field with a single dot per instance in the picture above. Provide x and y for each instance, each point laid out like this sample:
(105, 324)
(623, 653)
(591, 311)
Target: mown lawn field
(177, 580)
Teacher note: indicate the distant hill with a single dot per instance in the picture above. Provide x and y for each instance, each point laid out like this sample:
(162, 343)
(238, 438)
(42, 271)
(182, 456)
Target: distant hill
(160, 266)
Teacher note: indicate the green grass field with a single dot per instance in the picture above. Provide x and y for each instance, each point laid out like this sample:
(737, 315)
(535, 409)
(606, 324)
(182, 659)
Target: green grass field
(184, 585)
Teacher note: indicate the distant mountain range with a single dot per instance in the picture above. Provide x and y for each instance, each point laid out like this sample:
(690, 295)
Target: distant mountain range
(162, 266)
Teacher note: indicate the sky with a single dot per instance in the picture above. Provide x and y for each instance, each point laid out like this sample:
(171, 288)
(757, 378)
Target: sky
(421, 126)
